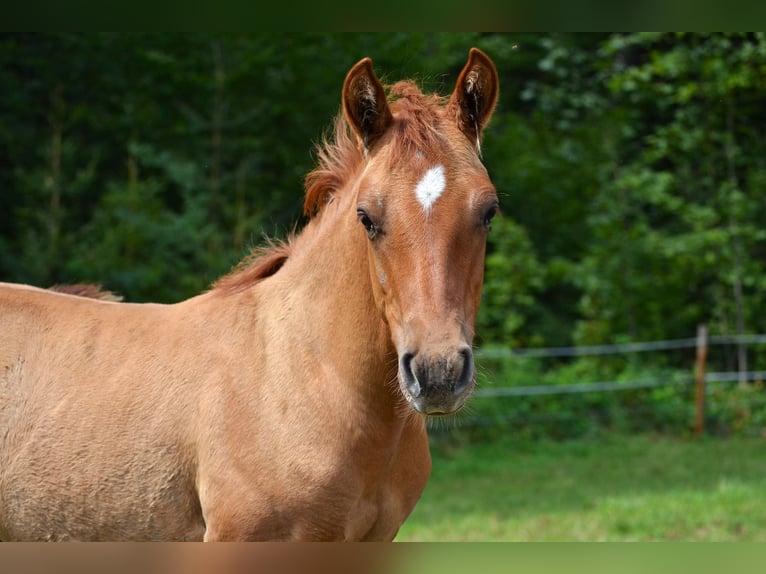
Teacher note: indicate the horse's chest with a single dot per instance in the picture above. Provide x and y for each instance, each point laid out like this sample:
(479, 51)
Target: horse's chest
(338, 499)
(378, 517)
(375, 504)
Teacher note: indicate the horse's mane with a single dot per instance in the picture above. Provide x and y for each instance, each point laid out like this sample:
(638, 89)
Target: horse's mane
(339, 157)
(87, 290)
(262, 262)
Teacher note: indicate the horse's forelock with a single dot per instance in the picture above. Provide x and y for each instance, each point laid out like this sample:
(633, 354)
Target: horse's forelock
(416, 122)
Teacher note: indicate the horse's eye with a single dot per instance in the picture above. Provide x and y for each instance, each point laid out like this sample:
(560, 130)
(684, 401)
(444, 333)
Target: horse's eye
(365, 220)
(486, 219)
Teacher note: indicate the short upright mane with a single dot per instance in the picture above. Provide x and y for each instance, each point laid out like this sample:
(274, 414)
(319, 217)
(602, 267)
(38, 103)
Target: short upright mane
(262, 262)
(339, 158)
(87, 290)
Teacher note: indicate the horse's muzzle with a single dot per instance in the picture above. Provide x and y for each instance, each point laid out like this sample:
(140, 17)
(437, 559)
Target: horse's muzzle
(437, 384)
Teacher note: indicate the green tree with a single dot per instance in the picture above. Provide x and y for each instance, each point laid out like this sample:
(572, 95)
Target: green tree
(677, 217)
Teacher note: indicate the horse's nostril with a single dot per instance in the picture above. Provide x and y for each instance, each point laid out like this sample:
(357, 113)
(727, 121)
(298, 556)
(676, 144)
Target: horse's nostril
(466, 373)
(413, 385)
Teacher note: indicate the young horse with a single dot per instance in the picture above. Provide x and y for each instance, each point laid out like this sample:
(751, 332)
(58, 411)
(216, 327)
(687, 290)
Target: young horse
(284, 402)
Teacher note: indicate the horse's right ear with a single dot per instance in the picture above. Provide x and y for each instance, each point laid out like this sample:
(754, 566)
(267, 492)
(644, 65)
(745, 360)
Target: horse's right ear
(364, 103)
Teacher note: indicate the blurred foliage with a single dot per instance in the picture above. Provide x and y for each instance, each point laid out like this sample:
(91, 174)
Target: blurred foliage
(631, 168)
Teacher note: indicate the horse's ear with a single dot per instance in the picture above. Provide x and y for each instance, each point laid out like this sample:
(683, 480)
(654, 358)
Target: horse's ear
(475, 95)
(364, 103)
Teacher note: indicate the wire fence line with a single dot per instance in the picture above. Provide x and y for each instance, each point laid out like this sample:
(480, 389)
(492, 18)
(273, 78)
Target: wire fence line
(672, 379)
(616, 349)
(610, 386)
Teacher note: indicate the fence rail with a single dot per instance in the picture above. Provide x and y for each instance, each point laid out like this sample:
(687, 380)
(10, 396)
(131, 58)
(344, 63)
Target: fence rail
(610, 386)
(616, 349)
(699, 378)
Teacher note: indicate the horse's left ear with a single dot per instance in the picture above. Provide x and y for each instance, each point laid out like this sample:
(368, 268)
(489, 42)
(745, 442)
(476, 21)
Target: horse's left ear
(475, 95)
(364, 103)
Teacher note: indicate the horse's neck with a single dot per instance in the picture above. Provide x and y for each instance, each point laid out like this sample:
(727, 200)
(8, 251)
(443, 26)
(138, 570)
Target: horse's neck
(328, 300)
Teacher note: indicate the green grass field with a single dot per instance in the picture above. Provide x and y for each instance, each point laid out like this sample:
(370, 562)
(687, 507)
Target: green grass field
(614, 488)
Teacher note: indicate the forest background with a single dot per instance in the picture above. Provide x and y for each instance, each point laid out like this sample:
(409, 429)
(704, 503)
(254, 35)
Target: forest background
(631, 170)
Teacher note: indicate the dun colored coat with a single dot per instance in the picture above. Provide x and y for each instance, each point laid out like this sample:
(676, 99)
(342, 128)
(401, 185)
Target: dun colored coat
(288, 401)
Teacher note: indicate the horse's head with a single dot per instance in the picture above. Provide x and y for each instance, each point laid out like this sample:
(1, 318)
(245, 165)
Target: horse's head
(424, 203)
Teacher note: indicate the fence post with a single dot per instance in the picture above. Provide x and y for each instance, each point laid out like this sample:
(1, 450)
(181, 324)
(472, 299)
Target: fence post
(699, 374)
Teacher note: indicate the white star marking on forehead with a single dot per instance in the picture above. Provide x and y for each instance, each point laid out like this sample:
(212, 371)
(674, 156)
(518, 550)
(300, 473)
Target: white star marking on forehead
(431, 187)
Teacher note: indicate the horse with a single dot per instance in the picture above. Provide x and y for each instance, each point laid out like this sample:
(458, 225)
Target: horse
(289, 400)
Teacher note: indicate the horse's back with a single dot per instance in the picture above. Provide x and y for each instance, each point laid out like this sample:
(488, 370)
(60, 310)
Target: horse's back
(89, 446)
